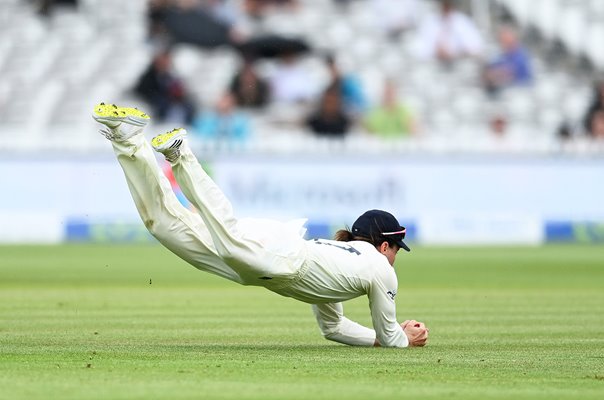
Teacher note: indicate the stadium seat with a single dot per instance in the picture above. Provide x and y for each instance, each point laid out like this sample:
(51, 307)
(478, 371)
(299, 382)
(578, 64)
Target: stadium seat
(572, 28)
(58, 59)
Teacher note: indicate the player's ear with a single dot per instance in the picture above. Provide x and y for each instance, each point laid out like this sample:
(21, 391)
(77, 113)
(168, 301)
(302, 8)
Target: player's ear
(383, 247)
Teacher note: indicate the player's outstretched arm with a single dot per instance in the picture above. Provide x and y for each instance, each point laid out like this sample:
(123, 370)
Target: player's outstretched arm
(381, 294)
(336, 327)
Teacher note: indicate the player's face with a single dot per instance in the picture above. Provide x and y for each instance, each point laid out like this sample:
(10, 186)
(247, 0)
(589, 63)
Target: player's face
(390, 253)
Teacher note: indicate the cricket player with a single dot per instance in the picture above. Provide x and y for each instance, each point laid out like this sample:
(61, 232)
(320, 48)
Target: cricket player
(261, 252)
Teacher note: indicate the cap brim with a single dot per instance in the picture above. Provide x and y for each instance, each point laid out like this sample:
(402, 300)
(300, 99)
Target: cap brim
(402, 245)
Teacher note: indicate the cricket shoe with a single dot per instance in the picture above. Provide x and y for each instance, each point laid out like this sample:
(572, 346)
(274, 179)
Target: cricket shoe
(169, 143)
(121, 123)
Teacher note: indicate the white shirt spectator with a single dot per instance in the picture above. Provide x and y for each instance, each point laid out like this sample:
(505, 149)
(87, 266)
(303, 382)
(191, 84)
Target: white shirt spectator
(292, 83)
(447, 36)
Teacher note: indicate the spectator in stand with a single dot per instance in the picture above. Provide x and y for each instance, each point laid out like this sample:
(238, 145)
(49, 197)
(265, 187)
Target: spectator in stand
(165, 92)
(391, 119)
(330, 119)
(248, 88)
(448, 35)
(498, 124)
(511, 68)
(46, 7)
(156, 13)
(591, 119)
(258, 8)
(597, 125)
(225, 122)
(354, 101)
(290, 82)
(395, 17)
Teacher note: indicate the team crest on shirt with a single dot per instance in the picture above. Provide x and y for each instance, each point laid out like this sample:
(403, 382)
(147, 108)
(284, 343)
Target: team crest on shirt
(391, 293)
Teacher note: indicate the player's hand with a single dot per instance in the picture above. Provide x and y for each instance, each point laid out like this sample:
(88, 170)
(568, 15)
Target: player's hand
(416, 332)
(409, 322)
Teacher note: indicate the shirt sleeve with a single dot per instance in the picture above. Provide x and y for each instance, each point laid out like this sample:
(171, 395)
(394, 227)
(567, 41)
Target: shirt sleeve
(335, 327)
(382, 292)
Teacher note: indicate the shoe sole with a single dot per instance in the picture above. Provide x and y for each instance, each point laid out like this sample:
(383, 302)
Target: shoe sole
(113, 115)
(168, 140)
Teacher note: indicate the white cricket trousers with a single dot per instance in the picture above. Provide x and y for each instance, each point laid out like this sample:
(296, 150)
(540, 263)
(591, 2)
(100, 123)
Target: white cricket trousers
(212, 240)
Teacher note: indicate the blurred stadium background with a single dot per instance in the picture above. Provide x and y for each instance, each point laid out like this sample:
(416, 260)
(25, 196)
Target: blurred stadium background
(477, 158)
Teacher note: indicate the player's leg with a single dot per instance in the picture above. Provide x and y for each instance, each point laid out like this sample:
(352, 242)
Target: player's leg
(244, 254)
(190, 176)
(177, 228)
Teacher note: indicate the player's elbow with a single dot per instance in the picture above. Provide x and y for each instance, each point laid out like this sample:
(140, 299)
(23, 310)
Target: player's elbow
(329, 330)
(332, 337)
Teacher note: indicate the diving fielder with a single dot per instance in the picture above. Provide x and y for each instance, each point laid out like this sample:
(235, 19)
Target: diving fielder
(259, 252)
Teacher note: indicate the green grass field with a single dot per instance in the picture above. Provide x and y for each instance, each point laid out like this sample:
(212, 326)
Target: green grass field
(123, 322)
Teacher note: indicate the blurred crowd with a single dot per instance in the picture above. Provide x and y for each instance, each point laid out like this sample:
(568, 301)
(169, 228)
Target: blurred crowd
(338, 105)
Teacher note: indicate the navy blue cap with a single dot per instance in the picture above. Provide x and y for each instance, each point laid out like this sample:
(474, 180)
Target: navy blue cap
(380, 224)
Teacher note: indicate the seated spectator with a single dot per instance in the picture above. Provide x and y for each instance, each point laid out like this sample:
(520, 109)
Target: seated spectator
(258, 8)
(225, 122)
(329, 119)
(156, 13)
(165, 92)
(596, 128)
(448, 35)
(498, 125)
(46, 7)
(595, 106)
(395, 17)
(353, 97)
(511, 68)
(249, 89)
(391, 118)
(290, 82)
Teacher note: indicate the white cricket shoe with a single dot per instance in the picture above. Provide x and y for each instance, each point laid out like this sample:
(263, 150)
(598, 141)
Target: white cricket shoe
(169, 143)
(121, 123)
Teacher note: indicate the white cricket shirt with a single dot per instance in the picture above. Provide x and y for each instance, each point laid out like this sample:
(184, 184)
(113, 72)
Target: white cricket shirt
(338, 271)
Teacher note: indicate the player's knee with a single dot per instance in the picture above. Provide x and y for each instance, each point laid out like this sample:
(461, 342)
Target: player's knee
(155, 228)
(150, 224)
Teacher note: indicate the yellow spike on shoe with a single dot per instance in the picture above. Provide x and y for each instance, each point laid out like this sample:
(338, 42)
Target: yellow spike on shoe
(169, 144)
(158, 140)
(123, 122)
(104, 110)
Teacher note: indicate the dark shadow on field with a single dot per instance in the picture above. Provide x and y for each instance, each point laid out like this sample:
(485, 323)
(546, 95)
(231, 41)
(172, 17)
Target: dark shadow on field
(261, 347)
(280, 348)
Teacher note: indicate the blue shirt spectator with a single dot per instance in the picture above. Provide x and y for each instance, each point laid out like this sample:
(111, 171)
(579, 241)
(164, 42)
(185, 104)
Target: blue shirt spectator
(353, 99)
(512, 67)
(353, 96)
(225, 122)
